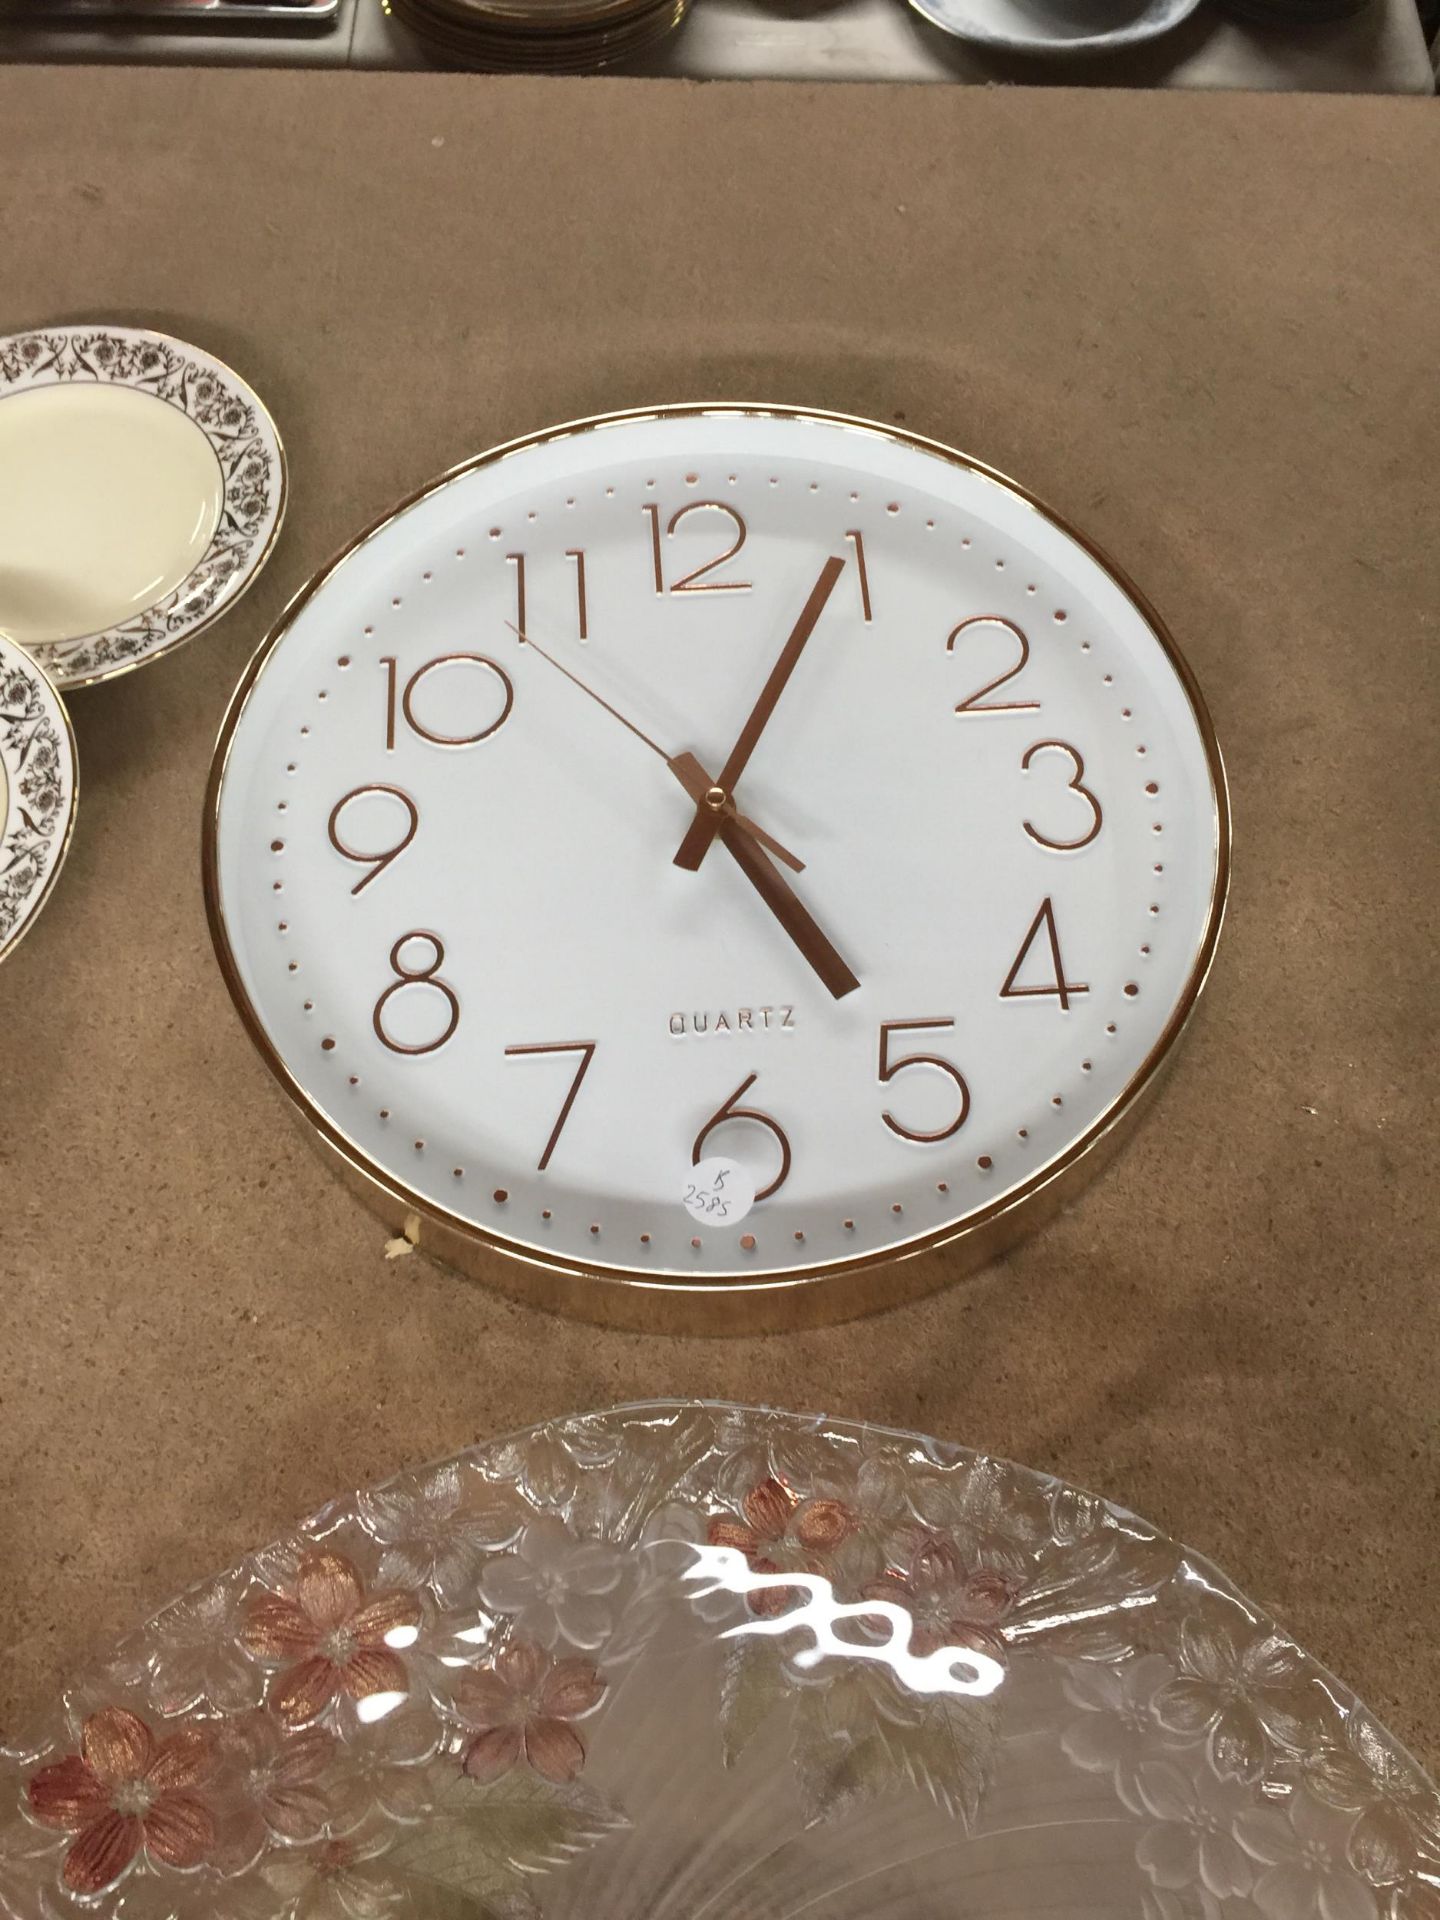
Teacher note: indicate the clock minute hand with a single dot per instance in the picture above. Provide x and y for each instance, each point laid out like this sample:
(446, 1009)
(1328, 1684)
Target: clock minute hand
(705, 825)
(685, 767)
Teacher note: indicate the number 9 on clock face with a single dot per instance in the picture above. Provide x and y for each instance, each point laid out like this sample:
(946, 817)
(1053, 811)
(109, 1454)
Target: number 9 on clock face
(717, 783)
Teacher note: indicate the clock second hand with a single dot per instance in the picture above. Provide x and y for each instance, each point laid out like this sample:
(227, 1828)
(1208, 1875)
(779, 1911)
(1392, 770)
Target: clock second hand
(743, 840)
(685, 767)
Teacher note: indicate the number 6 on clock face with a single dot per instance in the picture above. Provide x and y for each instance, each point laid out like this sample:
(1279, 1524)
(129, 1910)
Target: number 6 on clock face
(868, 827)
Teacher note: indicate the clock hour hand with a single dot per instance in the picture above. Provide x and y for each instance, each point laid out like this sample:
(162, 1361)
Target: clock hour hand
(684, 766)
(772, 887)
(777, 893)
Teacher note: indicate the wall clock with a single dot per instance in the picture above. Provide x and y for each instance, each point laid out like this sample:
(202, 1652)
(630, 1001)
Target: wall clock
(783, 924)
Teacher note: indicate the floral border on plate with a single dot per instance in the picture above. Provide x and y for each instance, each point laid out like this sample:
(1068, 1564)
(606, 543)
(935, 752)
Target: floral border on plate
(37, 749)
(242, 437)
(392, 1711)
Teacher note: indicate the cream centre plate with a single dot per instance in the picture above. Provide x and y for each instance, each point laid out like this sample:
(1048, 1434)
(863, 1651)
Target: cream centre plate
(38, 791)
(141, 487)
(689, 1662)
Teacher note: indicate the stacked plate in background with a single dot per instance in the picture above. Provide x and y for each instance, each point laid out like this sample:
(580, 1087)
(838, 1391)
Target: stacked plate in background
(538, 36)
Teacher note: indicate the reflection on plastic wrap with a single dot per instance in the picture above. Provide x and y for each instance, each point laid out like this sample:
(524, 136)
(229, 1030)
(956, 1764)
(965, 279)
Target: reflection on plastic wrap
(726, 1569)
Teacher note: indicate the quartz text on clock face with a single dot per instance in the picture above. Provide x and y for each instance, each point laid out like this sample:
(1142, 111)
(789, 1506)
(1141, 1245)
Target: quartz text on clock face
(714, 784)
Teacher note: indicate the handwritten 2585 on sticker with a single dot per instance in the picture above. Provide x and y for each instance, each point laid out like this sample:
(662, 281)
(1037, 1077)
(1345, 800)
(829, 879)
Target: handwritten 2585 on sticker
(717, 783)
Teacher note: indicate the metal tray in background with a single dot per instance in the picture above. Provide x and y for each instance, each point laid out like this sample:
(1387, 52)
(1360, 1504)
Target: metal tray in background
(209, 13)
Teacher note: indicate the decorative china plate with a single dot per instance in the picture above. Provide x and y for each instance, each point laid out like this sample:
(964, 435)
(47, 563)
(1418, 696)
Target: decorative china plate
(845, 830)
(142, 485)
(38, 790)
(690, 1662)
(1055, 28)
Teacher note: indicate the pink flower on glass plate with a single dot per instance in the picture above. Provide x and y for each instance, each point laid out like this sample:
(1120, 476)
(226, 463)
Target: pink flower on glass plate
(523, 1706)
(952, 1601)
(339, 1642)
(779, 1531)
(1194, 1844)
(125, 1791)
(1305, 1875)
(1241, 1685)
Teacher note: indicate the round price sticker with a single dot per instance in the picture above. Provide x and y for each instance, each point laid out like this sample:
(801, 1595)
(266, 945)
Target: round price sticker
(719, 1192)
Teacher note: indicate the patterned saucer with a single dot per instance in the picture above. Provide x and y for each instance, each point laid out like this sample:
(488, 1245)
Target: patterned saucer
(39, 786)
(696, 1662)
(142, 486)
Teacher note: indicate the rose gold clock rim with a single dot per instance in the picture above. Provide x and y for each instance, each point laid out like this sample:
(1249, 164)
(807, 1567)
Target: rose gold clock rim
(37, 906)
(987, 1230)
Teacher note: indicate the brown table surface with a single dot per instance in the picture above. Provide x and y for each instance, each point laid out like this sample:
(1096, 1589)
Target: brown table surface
(1205, 328)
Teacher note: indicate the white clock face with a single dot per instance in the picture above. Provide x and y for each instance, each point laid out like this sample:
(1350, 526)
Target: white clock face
(446, 879)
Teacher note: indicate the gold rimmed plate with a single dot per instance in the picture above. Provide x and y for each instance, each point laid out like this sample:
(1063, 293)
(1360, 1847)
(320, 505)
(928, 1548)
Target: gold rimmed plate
(39, 786)
(142, 486)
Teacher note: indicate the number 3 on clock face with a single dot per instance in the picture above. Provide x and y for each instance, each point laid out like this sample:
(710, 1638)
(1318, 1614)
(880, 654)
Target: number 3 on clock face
(844, 816)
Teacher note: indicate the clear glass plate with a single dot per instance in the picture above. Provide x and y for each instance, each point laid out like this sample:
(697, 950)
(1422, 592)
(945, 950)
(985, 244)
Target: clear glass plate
(698, 1662)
